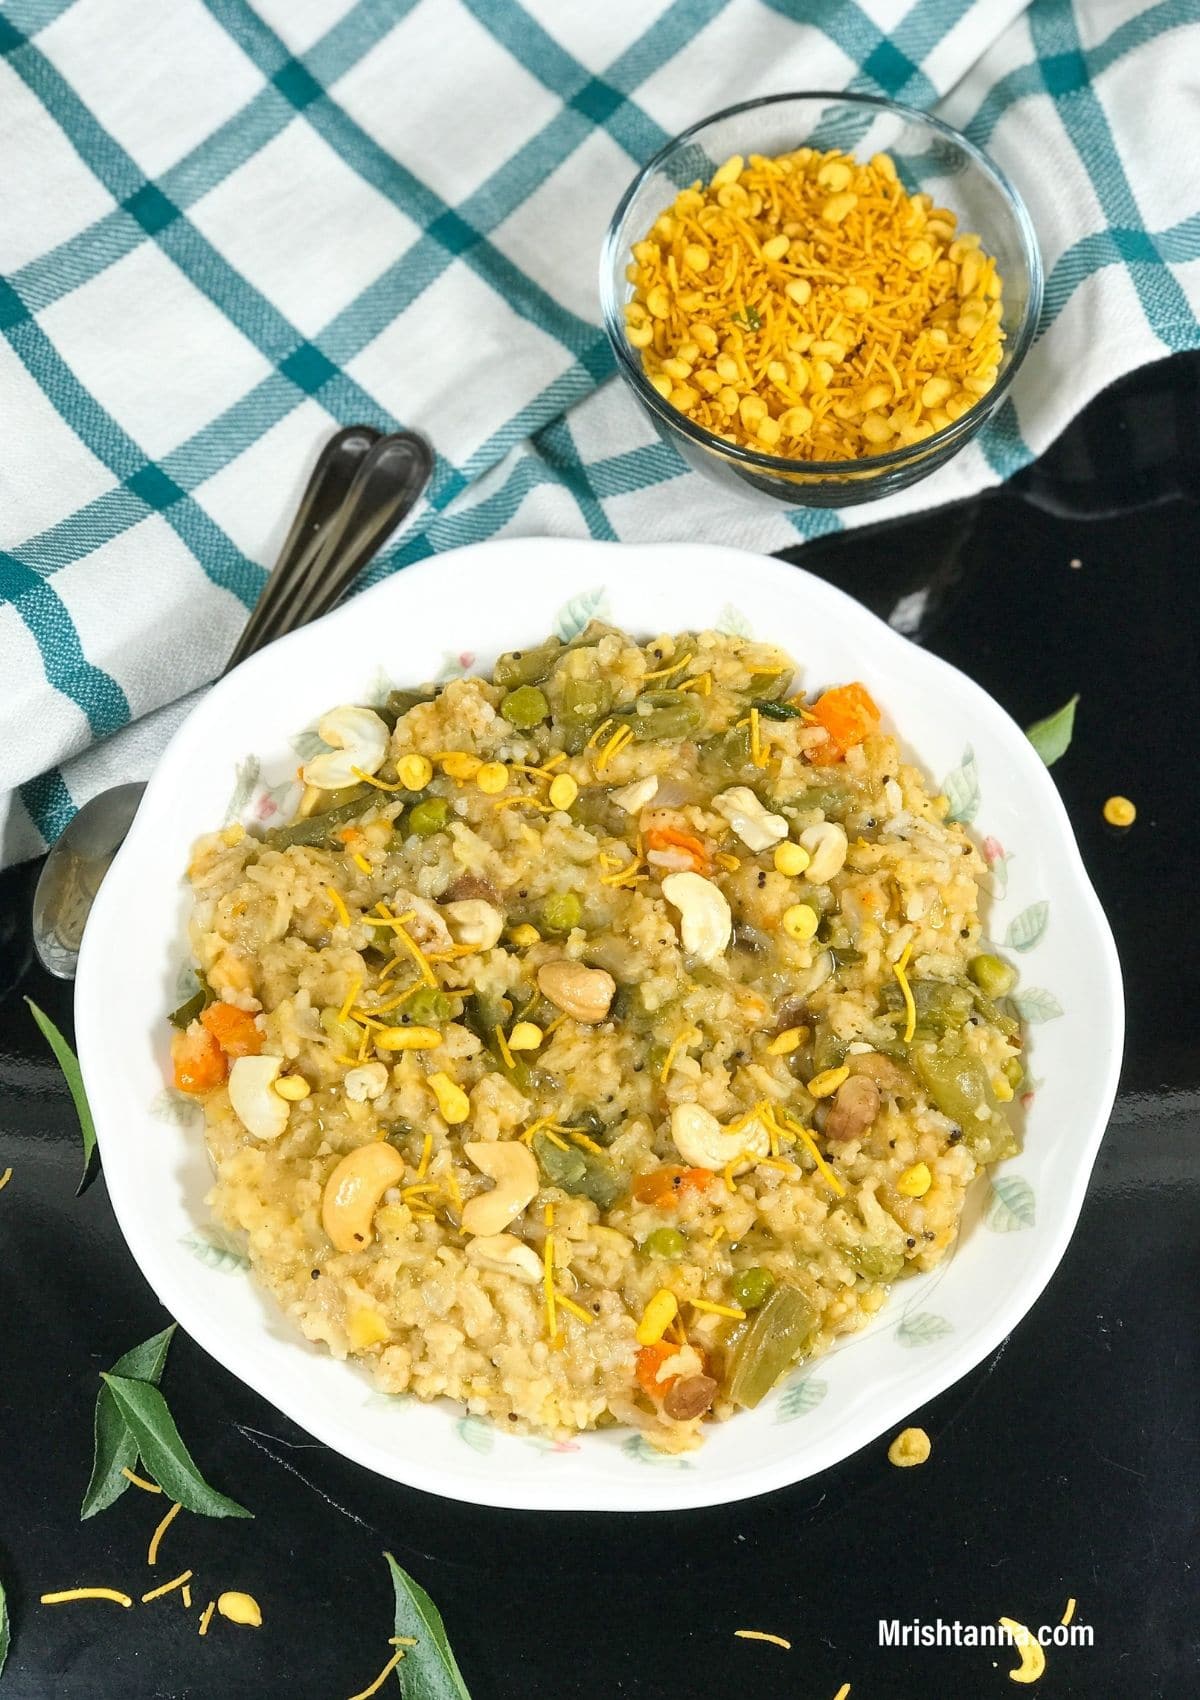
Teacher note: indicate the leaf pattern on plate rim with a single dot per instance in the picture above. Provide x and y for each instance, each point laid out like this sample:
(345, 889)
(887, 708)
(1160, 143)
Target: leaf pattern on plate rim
(572, 618)
(455, 665)
(961, 789)
(1011, 1205)
(216, 1250)
(551, 1448)
(175, 1108)
(1025, 929)
(376, 1400)
(1035, 1005)
(799, 1397)
(640, 1450)
(923, 1328)
(247, 778)
(477, 1433)
(309, 743)
(731, 622)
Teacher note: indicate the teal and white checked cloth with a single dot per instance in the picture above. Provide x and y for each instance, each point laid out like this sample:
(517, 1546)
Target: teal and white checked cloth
(226, 228)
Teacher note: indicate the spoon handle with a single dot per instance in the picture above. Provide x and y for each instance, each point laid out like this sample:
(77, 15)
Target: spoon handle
(327, 488)
(388, 483)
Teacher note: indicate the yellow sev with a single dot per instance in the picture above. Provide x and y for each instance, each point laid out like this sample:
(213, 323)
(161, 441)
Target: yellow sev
(807, 306)
(67, 1594)
(366, 1693)
(761, 1635)
(5, 1178)
(898, 969)
(156, 1537)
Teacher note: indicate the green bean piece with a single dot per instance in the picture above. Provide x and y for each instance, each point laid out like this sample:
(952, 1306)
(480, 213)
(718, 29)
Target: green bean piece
(959, 1086)
(994, 978)
(664, 1242)
(561, 911)
(876, 1262)
(397, 704)
(352, 801)
(775, 1337)
(1013, 1072)
(728, 753)
(527, 666)
(834, 801)
(776, 710)
(578, 1172)
(751, 1287)
(846, 956)
(585, 699)
(769, 686)
(194, 1006)
(429, 1007)
(429, 816)
(828, 1051)
(666, 716)
(525, 708)
(942, 1005)
(593, 1124)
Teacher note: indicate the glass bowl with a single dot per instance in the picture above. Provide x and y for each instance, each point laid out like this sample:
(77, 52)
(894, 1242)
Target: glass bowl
(931, 157)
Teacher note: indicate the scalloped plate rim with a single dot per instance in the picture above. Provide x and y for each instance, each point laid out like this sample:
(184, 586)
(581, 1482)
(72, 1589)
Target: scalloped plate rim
(597, 1489)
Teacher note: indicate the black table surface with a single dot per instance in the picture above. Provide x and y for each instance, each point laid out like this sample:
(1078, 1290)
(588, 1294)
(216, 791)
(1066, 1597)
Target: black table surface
(1065, 1466)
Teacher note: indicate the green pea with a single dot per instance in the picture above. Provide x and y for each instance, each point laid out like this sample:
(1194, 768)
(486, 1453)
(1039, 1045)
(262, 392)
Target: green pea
(525, 707)
(561, 912)
(664, 1242)
(993, 977)
(429, 1007)
(751, 1286)
(429, 816)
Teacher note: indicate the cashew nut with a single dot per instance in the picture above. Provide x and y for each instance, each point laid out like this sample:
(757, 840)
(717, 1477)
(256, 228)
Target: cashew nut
(705, 920)
(584, 993)
(633, 797)
(757, 828)
(475, 922)
(367, 1081)
(360, 740)
(505, 1254)
(353, 1191)
(514, 1169)
(704, 1144)
(826, 844)
(253, 1098)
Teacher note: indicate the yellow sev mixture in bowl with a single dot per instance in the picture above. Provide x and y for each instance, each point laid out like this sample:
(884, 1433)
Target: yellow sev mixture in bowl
(601, 1039)
(807, 306)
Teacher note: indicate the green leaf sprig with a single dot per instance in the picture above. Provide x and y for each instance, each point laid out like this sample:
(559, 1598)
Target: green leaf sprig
(1051, 737)
(430, 1669)
(69, 1064)
(134, 1421)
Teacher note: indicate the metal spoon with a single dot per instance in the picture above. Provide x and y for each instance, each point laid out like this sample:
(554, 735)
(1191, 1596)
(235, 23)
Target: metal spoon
(361, 487)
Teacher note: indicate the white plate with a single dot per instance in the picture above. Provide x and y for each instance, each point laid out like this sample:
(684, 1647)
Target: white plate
(236, 755)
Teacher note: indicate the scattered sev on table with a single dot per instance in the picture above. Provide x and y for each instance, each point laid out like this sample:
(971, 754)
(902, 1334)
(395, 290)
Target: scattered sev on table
(761, 1635)
(808, 307)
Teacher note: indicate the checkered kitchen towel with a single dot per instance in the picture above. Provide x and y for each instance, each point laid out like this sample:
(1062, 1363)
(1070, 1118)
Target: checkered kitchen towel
(226, 228)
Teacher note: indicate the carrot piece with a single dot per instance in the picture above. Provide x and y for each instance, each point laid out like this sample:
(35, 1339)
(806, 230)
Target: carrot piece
(650, 1360)
(660, 837)
(664, 1185)
(197, 1061)
(848, 715)
(233, 1029)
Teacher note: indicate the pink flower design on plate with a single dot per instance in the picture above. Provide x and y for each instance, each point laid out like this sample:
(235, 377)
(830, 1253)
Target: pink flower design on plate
(993, 851)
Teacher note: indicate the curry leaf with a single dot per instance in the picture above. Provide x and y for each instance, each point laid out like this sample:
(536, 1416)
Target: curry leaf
(1052, 736)
(163, 1452)
(116, 1449)
(5, 1634)
(430, 1669)
(69, 1064)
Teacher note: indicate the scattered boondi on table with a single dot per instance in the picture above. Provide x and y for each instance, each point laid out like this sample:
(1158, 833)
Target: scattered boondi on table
(602, 1039)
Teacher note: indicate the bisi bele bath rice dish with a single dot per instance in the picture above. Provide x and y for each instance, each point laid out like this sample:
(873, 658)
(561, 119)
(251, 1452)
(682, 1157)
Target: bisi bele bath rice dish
(601, 1039)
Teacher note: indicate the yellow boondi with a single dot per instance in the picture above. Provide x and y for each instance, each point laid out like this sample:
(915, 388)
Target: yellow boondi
(614, 1106)
(808, 307)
